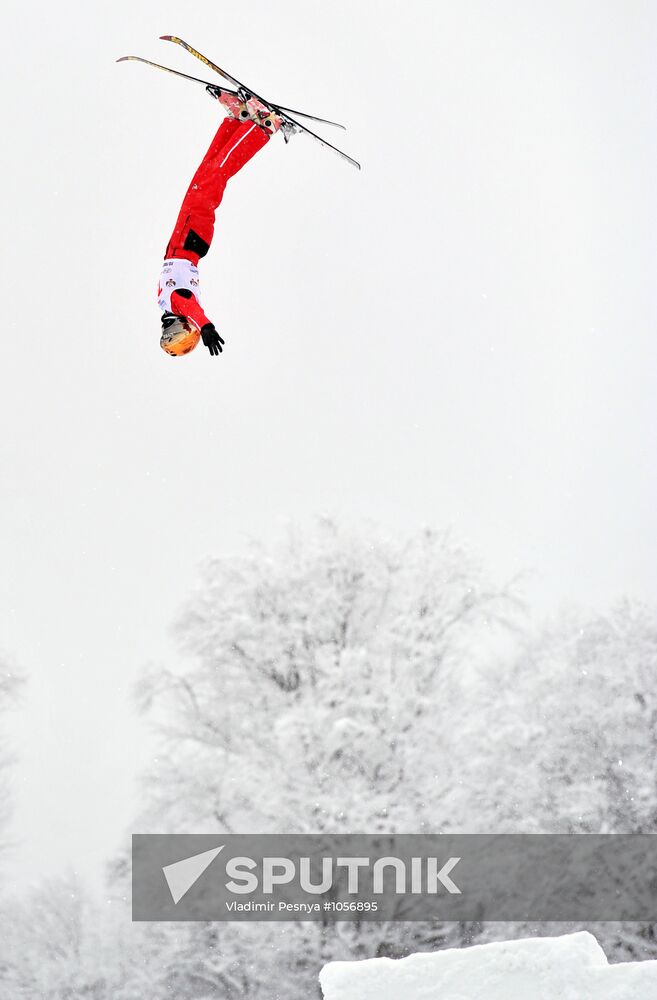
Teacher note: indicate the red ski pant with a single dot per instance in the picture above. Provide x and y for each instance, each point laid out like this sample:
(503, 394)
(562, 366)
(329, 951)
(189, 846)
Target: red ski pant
(233, 146)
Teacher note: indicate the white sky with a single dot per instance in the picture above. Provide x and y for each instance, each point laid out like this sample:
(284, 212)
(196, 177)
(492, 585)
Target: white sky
(464, 333)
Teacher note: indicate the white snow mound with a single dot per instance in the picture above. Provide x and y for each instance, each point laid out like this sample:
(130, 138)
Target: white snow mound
(572, 967)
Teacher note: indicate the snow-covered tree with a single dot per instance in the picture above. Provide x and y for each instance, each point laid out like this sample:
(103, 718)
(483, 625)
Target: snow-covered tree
(341, 684)
(46, 949)
(324, 685)
(571, 745)
(60, 942)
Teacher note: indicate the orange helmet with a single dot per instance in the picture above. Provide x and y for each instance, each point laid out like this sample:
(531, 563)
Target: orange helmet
(179, 336)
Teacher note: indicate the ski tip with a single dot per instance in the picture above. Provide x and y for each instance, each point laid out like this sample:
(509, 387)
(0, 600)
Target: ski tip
(167, 38)
(124, 58)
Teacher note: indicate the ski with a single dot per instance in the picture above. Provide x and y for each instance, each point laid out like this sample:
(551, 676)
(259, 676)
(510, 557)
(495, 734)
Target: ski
(216, 90)
(242, 89)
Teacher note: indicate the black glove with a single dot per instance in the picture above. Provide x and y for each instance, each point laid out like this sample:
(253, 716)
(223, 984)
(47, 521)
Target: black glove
(211, 339)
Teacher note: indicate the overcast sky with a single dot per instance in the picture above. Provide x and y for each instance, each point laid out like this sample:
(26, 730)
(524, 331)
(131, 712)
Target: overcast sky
(463, 333)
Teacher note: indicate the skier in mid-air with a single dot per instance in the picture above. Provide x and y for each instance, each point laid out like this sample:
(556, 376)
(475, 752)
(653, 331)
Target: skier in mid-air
(250, 124)
(247, 129)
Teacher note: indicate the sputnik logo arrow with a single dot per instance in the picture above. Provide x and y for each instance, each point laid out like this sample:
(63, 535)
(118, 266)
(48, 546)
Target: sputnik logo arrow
(182, 875)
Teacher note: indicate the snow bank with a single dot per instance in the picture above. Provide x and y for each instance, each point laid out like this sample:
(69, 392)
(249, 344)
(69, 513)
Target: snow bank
(573, 967)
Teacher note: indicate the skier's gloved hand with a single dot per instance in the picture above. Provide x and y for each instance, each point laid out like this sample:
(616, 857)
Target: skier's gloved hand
(211, 339)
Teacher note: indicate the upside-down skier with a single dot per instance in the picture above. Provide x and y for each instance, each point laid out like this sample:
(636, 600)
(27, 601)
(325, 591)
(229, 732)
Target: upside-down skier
(245, 131)
(250, 124)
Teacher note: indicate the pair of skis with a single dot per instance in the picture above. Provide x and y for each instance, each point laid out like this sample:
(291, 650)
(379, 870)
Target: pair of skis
(290, 124)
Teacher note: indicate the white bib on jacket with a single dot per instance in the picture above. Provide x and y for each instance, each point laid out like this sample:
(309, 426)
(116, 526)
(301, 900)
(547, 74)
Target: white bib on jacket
(177, 273)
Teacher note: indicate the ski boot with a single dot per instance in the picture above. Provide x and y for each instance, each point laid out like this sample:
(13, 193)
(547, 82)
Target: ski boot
(242, 106)
(267, 118)
(234, 104)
